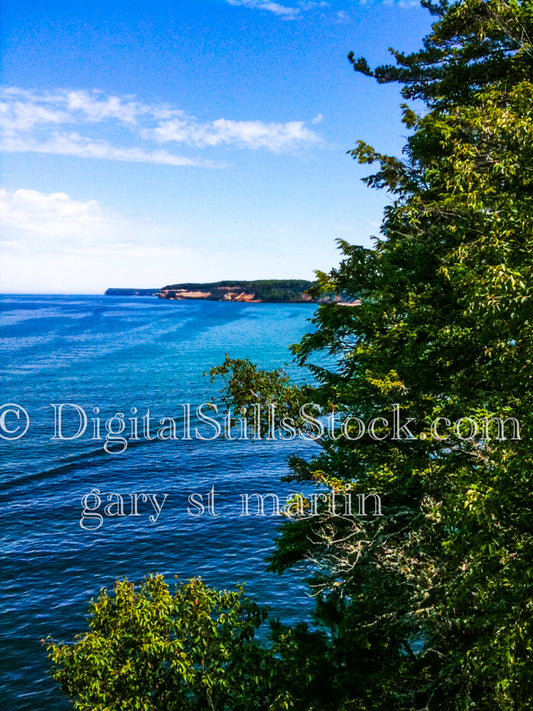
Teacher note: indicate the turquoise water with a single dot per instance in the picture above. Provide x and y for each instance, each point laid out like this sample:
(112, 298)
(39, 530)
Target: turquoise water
(117, 355)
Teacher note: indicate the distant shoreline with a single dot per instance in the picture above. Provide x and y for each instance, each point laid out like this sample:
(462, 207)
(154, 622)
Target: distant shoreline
(131, 292)
(258, 291)
(269, 291)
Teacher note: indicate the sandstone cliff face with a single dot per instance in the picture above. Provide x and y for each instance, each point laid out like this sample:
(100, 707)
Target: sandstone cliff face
(284, 291)
(228, 294)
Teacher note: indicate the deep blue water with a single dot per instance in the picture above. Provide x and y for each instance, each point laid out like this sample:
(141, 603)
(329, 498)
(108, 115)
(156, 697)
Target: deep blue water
(116, 354)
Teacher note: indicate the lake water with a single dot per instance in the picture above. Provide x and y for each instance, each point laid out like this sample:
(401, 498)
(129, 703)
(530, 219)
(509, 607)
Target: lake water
(129, 355)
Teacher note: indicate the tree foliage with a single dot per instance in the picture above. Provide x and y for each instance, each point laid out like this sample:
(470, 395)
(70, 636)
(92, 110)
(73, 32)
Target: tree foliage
(151, 649)
(194, 649)
(430, 605)
(474, 44)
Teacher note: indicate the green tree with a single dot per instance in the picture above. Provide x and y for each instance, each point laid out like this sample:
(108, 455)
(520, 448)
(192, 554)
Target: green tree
(430, 605)
(150, 649)
(192, 650)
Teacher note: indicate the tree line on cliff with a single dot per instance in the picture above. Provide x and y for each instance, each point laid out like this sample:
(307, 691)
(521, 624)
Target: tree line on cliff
(271, 290)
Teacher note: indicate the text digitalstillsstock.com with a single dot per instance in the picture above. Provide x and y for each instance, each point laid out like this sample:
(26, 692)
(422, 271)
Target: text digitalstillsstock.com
(71, 422)
(97, 506)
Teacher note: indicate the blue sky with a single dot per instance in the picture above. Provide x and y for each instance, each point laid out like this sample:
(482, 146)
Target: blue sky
(151, 143)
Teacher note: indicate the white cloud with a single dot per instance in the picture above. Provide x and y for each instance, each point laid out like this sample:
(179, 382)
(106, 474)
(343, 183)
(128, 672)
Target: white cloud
(276, 137)
(94, 125)
(308, 5)
(20, 116)
(72, 144)
(297, 11)
(76, 226)
(286, 12)
(98, 108)
(402, 4)
(51, 242)
(63, 105)
(55, 214)
(342, 16)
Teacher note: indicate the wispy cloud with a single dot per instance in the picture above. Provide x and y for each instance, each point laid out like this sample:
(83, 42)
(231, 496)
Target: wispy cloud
(286, 12)
(402, 4)
(299, 9)
(94, 125)
(276, 137)
(72, 144)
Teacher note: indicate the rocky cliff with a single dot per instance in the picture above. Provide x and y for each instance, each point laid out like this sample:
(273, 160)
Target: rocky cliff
(269, 290)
